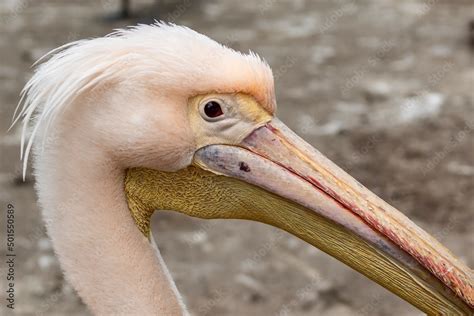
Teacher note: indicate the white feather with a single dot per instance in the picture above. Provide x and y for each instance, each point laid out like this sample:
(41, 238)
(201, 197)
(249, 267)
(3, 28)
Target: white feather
(163, 51)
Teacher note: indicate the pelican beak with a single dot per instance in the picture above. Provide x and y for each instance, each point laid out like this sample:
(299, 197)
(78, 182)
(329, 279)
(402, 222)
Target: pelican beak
(317, 201)
(274, 177)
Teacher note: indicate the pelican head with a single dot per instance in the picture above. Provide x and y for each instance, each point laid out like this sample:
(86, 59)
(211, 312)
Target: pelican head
(160, 117)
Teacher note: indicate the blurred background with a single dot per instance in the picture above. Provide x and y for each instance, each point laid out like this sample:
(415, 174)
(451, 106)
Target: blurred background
(384, 88)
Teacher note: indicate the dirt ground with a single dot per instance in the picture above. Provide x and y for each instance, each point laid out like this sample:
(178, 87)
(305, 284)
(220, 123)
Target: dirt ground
(384, 88)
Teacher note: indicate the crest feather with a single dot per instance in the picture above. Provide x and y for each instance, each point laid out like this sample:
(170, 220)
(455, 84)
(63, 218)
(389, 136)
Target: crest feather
(164, 54)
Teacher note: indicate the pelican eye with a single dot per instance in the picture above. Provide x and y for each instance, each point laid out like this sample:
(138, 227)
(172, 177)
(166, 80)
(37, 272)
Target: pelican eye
(212, 109)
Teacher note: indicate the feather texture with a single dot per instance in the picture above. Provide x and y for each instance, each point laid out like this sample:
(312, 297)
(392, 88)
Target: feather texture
(159, 56)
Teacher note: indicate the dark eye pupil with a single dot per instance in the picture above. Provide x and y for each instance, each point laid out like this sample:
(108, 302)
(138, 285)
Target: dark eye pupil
(213, 109)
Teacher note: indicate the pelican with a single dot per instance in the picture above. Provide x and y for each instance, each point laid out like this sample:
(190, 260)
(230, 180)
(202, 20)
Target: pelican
(160, 117)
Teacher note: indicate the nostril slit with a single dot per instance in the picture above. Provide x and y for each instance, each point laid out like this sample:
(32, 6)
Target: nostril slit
(244, 167)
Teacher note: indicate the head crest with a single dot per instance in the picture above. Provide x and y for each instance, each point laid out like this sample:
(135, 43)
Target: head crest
(159, 54)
